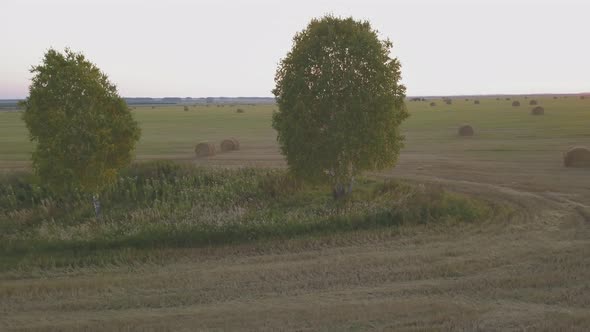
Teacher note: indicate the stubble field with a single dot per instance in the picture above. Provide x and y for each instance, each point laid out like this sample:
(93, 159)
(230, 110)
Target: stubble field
(527, 267)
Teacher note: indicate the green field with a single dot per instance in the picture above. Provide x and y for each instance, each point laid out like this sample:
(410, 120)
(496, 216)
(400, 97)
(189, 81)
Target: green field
(502, 131)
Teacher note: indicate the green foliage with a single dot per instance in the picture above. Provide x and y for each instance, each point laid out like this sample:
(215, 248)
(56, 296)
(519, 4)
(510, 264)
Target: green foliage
(83, 130)
(163, 204)
(340, 102)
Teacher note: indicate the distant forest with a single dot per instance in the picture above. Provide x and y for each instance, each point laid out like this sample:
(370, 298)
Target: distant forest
(207, 100)
(12, 104)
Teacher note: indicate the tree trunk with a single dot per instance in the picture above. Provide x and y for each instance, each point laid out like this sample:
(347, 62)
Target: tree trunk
(341, 190)
(96, 203)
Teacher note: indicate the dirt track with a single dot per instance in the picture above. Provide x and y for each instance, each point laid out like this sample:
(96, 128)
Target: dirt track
(527, 269)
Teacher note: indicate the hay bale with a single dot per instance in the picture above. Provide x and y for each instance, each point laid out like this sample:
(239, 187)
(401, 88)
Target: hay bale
(582, 97)
(538, 111)
(476, 102)
(239, 110)
(466, 130)
(204, 149)
(432, 104)
(448, 101)
(516, 103)
(577, 157)
(533, 102)
(230, 144)
(507, 98)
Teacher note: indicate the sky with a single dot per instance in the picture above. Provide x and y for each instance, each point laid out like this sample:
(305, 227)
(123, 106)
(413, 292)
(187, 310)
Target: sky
(232, 48)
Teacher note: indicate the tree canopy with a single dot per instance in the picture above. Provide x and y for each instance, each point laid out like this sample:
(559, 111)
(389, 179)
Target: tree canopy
(340, 102)
(83, 130)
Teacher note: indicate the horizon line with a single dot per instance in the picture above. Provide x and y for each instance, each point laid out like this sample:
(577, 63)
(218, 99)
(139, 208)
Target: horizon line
(407, 96)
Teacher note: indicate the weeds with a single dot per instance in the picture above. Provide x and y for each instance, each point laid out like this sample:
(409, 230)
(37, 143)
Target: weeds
(163, 204)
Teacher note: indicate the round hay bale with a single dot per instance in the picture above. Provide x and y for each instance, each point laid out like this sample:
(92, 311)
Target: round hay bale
(582, 97)
(240, 110)
(432, 104)
(577, 157)
(466, 130)
(533, 102)
(507, 98)
(448, 101)
(236, 143)
(516, 103)
(476, 102)
(204, 149)
(538, 111)
(230, 144)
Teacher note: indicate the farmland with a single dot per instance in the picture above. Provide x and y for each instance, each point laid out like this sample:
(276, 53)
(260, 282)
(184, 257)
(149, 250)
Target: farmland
(502, 131)
(526, 265)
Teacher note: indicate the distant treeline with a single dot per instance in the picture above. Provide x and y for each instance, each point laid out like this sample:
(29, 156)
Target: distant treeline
(540, 95)
(208, 100)
(9, 103)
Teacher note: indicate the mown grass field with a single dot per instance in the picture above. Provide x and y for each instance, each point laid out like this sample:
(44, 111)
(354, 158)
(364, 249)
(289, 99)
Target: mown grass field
(502, 131)
(502, 242)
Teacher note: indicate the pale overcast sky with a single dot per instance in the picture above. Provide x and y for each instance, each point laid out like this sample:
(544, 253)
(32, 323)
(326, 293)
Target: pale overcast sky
(232, 48)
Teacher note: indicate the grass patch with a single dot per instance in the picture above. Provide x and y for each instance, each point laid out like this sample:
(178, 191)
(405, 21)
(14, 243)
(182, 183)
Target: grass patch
(169, 205)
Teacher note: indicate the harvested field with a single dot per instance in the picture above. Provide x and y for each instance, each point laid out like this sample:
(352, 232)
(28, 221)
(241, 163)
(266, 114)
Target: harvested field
(527, 267)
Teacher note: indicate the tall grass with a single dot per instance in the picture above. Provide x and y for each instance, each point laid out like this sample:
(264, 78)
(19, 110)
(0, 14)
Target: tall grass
(164, 204)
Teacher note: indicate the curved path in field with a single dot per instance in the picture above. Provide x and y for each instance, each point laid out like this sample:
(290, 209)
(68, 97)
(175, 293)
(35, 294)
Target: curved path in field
(528, 268)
